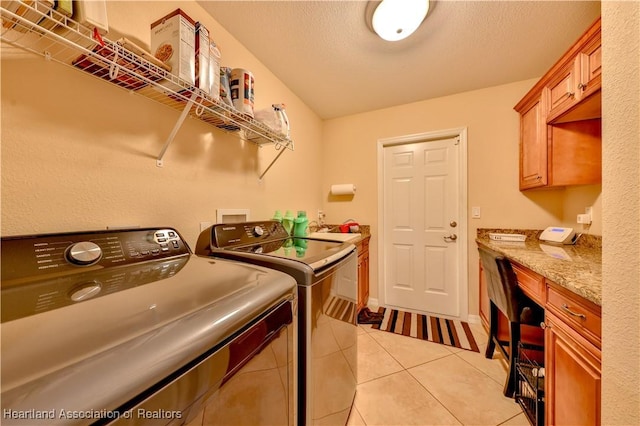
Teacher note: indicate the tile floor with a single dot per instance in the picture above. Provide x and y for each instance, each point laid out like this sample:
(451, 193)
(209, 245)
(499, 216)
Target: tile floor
(406, 381)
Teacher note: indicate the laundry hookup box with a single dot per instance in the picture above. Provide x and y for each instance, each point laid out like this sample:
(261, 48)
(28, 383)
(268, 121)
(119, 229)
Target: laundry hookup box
(173, 41)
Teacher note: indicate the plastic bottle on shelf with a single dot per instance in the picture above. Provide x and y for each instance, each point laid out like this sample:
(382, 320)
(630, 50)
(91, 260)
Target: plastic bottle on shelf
(287, 221)
(277, 216)
(301, 224)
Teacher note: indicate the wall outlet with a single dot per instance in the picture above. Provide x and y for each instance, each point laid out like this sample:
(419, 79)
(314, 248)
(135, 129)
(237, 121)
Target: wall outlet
(584, 219)
(320, 217)
(587, 217)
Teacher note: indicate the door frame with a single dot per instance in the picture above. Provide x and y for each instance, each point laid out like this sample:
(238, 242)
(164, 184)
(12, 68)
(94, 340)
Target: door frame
(461, 134)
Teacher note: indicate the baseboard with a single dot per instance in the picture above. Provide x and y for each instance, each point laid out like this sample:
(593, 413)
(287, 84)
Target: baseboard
(373, 304)
(473, 319)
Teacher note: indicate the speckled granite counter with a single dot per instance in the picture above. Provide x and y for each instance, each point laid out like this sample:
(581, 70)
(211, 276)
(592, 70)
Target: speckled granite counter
(364, 231)
(578, 268)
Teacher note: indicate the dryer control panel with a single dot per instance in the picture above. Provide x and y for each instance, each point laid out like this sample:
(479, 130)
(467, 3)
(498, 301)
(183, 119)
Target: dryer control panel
(45, 272)
(25, 257)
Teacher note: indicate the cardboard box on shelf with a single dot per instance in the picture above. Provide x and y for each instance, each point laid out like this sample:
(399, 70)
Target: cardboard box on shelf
(203, 52)
(92, 13)
(173, 41)
(214, 71)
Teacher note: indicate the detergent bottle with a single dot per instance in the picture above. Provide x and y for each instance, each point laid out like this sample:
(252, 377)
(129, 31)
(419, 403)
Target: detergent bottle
(301, 224)
(287, 222)
(277, 216)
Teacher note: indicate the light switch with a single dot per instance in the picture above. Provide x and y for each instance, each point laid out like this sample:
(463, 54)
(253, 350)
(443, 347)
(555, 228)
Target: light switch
(475, 212)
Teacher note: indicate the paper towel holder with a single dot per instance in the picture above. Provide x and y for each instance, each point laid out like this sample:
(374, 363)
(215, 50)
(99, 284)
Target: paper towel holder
(343, 189)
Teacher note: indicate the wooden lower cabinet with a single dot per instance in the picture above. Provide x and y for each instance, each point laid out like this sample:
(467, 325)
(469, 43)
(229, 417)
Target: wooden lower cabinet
(484, 298)
(573, 376)
(363, 272)
(573, 358)
(572, 341)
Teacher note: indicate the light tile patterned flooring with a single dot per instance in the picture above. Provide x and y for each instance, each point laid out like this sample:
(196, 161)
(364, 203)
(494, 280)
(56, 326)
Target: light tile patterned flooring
(407, 381)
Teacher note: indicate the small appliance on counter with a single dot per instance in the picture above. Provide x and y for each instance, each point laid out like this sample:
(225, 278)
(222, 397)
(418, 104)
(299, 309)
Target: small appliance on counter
(558, 235)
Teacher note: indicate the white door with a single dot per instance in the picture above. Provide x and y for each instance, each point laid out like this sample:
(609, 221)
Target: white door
(424, 224)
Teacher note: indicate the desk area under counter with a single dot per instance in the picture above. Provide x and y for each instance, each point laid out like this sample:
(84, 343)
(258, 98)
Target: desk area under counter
(567, 282)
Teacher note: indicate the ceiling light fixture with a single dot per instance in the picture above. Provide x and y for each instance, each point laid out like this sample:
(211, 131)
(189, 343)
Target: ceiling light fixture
(395, 20)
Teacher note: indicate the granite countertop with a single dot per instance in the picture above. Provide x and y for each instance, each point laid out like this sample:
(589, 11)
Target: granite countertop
(365, 232)
(578, 268)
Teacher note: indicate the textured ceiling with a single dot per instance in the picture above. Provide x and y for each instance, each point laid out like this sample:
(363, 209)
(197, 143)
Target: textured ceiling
(326, 54)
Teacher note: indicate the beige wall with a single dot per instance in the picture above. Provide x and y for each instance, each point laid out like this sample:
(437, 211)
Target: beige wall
(78, 153)
(350, 147)
(621, 205)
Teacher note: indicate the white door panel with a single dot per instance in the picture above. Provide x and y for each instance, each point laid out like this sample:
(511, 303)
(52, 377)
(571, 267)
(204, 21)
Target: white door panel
(421, 193)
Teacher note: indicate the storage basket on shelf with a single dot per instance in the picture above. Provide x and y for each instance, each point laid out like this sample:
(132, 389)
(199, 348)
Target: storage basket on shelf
(529, 389)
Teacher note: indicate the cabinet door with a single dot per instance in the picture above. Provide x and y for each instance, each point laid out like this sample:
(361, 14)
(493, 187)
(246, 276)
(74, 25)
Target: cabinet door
(590, 68)
(533, 145)
(561, 90)
(484, 298)
(364, 280)
(363, 273)
(573, 376)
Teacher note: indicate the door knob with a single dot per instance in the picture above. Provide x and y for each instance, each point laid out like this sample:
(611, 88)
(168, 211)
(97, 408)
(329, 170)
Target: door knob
(453, 224)
(451, 237)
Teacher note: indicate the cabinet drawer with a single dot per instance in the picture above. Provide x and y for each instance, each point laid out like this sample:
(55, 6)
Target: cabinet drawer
(582, 315)
(531, 283)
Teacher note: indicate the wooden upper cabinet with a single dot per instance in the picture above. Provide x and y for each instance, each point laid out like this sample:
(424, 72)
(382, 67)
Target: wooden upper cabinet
(575, 153)
(533, 144)
(574, 89)
(562, 89)
(560, 120)
(591, 64)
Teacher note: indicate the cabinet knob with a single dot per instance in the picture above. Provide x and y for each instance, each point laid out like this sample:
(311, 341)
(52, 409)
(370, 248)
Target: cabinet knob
(544, 325)
(582, 86)
(571, 94)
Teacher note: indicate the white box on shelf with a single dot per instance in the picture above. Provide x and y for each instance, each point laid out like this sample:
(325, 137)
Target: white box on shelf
(203, 53)
(173, 41)
(214, 70)
(92, 13)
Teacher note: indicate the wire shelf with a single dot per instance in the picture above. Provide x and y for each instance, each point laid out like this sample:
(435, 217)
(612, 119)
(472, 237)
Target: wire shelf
(530, 386)
(35, 27)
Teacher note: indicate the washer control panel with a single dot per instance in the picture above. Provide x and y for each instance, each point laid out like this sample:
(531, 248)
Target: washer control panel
(236, 234)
